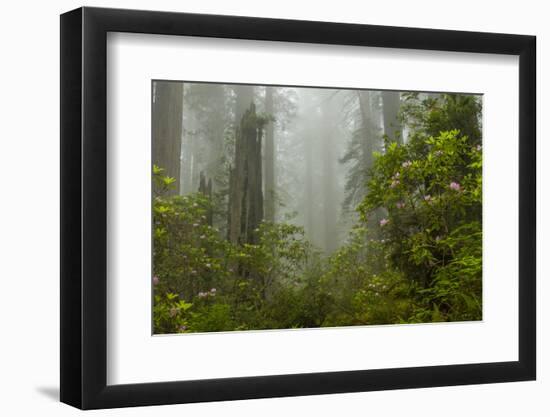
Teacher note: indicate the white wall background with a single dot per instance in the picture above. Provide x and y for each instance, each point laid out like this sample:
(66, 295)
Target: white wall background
(29, 213)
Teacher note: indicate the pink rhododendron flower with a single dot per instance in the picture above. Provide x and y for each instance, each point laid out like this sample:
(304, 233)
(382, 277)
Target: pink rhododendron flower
(454, 186)
(156, 280)
(384, 222)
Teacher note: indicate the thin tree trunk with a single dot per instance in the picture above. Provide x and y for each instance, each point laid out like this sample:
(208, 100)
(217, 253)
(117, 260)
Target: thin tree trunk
(330, 210)
(236, 190)
(308, 187)
(269, 159)
(369, 145)
(205, 188)
(187, 146)
(392, 125)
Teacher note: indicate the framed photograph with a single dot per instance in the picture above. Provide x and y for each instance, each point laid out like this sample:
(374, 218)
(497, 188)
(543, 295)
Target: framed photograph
(257, 208)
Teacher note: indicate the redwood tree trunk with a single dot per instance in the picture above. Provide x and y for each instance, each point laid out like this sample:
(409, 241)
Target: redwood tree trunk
(167, 129)
(245, 184)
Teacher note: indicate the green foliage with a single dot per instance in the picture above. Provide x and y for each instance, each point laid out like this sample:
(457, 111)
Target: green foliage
(188, 253)
(431, 116)
(170, 314)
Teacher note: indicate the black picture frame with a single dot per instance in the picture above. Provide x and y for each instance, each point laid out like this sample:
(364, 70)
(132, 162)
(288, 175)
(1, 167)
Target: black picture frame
(84, 207)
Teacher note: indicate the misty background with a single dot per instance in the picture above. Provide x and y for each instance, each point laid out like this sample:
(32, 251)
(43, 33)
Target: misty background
(316, 149)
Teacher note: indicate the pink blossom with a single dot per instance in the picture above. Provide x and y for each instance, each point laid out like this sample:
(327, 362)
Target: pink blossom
(156, 280)
(182, 328)
(454, 186)
(384, 222)
(428, 198)
(400, 205)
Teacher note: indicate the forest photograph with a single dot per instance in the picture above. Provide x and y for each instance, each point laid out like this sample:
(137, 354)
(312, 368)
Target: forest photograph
(282, 207)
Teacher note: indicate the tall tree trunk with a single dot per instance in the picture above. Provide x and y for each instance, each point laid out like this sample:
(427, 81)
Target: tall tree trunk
(244, 98)
(237, 188)
(368, 136)
(254, 201)
(167, 129)
(237, 180)
(330, 210)
(392, 126)
(245, 193)
(369, 145)
(269, 159)
(309, 212)
(216, 129)
(189, 128)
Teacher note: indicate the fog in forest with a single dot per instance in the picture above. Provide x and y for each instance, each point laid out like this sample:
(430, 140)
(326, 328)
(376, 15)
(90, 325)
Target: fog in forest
(312, 175)
(282, 207)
